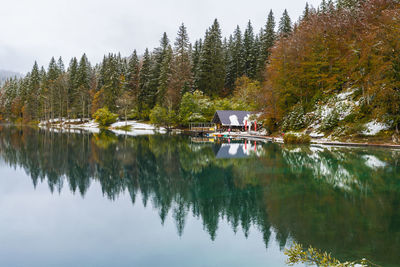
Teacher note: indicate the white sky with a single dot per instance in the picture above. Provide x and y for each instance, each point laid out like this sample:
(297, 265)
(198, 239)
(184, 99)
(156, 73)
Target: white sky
(39, 29)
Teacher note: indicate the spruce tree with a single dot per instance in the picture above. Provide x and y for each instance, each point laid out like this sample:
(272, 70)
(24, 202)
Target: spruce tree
(181, 71)
(145, 97)
(32, 103)
(236, 61)
(348, 4)
(267, 41)
(133, 74)
(211, 66)
(52, 75)
(306, 12)
(249, 53)
(165, 77)
(195, 62)
(83, 86)
(159, 55)
(324, 6)
(285, 25)
(72, 84)
(60, 65)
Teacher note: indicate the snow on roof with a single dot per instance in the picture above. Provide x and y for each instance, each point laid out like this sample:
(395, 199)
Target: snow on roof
(231, 117)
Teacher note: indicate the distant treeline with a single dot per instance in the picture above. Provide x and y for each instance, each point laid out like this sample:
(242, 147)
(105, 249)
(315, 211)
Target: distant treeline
(342, 44)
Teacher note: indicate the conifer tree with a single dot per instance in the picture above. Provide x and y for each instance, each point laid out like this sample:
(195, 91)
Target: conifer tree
(267, 40)
(348, 4)
(145, 97)
(181, 75)
(133, 75)
(83, 85)
(32, 103)
(165, 77)
(159, 55)
(211, 66)
(236, 62)
(285, 25)
(249, 53)
(195, 62)
(324, 6)
(52, 75)
(306, 12)
(60, 65)
(72, 85)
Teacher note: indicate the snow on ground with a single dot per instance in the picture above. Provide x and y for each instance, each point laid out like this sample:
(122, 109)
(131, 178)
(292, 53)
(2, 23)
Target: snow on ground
(136, 128)
(342, 103)
(374, 128)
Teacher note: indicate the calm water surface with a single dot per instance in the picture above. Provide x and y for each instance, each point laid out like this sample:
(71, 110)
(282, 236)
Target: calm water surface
(77, 199)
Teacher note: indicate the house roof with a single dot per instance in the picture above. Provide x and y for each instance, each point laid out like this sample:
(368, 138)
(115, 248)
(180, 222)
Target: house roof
(231, 117)
(229, 151)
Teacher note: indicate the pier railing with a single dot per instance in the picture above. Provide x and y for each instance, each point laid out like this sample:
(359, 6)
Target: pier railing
(203, 127)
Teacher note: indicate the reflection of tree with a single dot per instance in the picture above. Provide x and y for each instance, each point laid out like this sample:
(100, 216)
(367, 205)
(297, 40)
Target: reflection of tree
(330, 199)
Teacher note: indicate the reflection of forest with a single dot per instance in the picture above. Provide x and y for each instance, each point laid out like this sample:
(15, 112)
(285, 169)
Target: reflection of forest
(344, 201)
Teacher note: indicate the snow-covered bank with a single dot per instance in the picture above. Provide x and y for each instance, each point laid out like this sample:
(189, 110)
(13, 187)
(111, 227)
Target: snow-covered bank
(134, 128)
(335, 117)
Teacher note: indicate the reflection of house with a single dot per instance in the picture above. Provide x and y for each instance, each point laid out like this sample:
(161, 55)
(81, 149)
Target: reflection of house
(237, 150)
(231, 119)
(231, 151)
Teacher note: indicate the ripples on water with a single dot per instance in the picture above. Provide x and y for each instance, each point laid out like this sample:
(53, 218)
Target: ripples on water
(251, 199)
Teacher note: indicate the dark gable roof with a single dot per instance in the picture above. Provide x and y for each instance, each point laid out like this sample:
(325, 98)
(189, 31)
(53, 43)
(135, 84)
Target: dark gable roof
(223, 117)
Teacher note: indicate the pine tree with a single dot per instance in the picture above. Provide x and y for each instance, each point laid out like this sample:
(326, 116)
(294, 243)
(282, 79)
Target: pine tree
(32, 104)
(267, 41)
(72, 83)
(145, 97)
(60, 65)
(211, 66)
(348, 4)
(159, 54)
(83, 85)
(61, 88)
(236, 61)
(324, 6)
(306, 12)
(181, 71)
(165, 77)
(52, 75)
(43, 94)
(249, 53)
(285, 25)
(113, 82)
(133, 75)
(196, 62)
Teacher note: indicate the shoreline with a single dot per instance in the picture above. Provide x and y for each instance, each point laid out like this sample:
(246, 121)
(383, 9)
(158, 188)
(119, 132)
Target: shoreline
(142, 128)
(313, 142)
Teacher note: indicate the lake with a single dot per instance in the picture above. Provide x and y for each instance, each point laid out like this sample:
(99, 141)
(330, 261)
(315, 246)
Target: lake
(81, 199)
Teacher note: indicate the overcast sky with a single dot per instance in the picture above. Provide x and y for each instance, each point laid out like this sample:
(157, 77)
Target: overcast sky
(37, 30)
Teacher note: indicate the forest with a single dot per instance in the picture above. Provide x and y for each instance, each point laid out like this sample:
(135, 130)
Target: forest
(285, 66)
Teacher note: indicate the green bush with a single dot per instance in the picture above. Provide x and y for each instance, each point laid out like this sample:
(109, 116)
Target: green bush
(294, 139)
(330, 122)
(295, 120)
(104, 117)
(161, 116)
(355, 129)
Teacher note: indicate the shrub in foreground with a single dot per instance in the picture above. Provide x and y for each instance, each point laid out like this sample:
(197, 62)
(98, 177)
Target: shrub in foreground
(294, 139)
(104, 117)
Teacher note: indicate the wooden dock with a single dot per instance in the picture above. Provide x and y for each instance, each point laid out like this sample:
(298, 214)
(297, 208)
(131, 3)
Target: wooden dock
(202, 128)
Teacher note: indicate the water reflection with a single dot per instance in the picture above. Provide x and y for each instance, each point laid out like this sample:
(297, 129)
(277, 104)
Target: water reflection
(345, 201)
